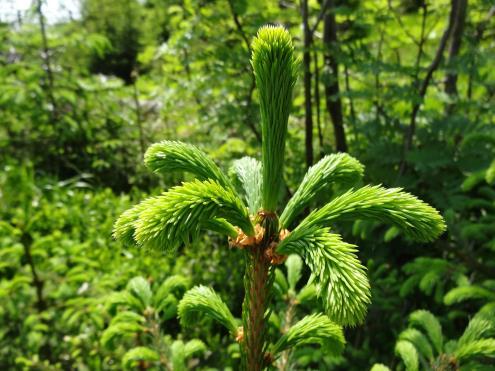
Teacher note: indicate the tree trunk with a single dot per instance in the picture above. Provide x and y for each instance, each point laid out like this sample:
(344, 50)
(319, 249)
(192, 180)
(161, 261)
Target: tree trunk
(332, 89)
(47, 61)
(137, 110)
(308, 123)
(455, 46)
(317, 102)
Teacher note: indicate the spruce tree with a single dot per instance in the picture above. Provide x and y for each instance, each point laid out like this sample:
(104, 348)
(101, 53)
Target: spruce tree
(252, 223)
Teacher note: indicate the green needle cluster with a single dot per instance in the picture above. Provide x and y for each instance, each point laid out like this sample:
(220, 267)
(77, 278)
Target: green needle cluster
(275, 69)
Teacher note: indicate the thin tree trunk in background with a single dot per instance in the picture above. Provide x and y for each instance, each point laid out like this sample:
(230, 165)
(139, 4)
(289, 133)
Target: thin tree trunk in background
(38, 283)
(377, 100)
(332, 89)
(47, 61)
(480, 30)
(421, 45)
(252, 86)
(455, 46)
(49, 84)
(308, 123)
(317, 102)
(435, 63)
(351, 103)
(137, 109)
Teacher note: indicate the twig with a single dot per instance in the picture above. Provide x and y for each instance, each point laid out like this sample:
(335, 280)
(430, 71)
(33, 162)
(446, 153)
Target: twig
(46, 60)
(249, 96)
(411, 129)
(401, 24)
(38, 284)
(480, 30)
(321, 15)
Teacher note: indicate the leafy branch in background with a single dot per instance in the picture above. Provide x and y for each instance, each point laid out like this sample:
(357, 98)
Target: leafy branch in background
(290, 303)
(422, 347)
(250, 220)
(137, 324)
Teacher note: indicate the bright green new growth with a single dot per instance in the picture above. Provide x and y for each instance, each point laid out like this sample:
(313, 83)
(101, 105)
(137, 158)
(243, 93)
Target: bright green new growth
(408, 353)
(339, 276)
(423, 341)
(379, 367)
(181, 351)
(249, 172)
(138, 325)
(177, 215)
(463, 293)
(211, 202)
(482, 347)
(275, 69)
(168, 156)
(141, 289)
(294, 267)
(419, 340)
(338, 168)
(428, 323)
(313, 329)
(204, 301)
(415, 218)
(125, 226)
(139, 354)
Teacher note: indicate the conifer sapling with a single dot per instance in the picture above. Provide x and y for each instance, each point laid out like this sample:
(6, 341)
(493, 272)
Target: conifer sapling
(251, 221)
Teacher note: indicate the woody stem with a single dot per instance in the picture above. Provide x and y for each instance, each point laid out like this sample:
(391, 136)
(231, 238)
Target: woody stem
(255, 303)
(257, 285)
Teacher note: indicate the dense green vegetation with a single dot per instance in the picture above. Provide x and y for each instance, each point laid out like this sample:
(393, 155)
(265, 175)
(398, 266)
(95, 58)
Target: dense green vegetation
(406, 87)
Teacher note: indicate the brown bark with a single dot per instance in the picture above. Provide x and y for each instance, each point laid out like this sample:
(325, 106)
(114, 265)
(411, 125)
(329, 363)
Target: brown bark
(257, 293)
(258, 280)
(332, 88)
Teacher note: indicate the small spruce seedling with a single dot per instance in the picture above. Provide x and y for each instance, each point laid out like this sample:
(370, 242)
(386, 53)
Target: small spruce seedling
(138, 323)
(251, 221)
(422, 345)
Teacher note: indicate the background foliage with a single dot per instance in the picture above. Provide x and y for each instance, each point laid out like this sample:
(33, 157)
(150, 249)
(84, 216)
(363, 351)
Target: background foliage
(405, 86)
